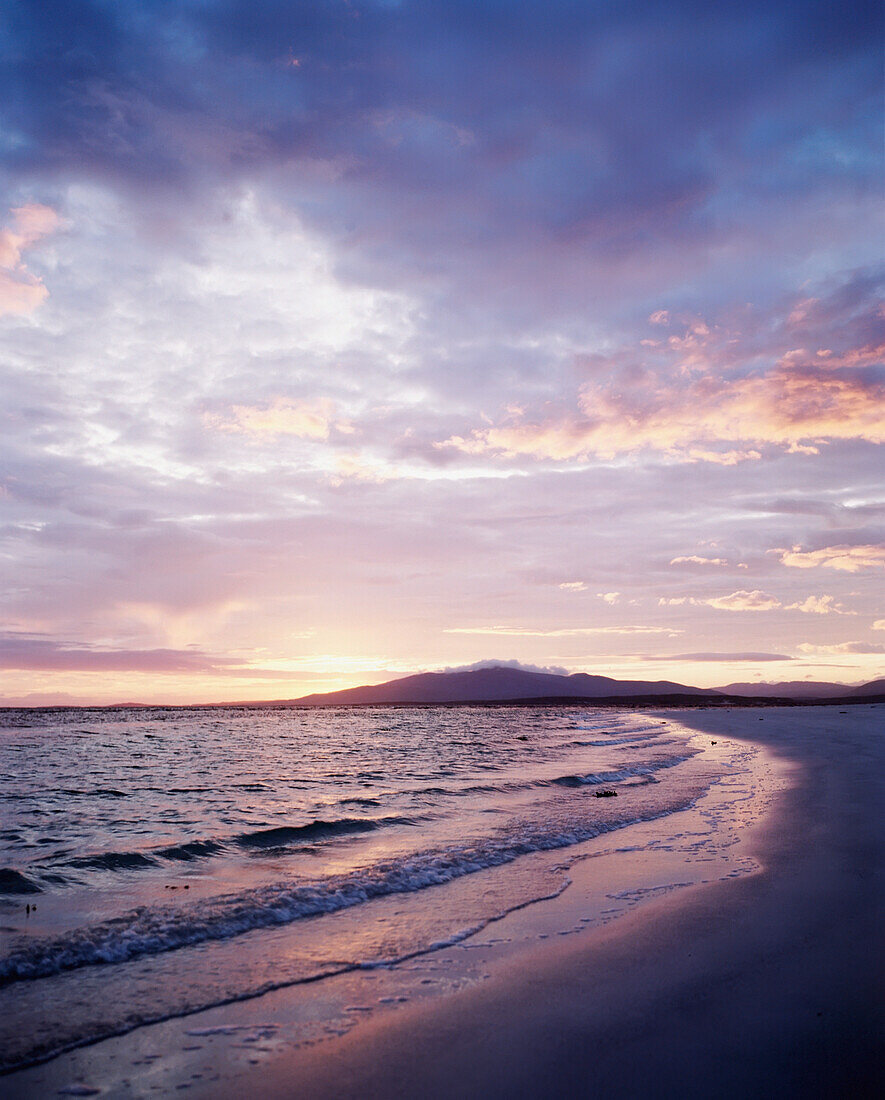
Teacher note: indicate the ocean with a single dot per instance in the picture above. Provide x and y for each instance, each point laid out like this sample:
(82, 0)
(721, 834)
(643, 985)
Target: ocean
(158, 861)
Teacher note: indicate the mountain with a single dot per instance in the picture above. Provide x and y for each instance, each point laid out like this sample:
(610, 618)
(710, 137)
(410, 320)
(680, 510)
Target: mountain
(874, 687)
(489, 685)
(789, 689)
(804, 691)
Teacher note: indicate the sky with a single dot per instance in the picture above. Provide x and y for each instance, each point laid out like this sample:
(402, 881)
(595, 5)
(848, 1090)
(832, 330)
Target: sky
(352, 338)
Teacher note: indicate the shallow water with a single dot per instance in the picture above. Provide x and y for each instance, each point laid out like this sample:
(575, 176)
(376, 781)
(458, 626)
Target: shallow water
(180, 858)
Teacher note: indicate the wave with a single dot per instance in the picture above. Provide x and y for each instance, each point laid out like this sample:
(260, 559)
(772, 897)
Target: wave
(571, 780)
(112, 861)
(109, 1027)
(14, 882)
(604, 744)
(193, 849)
(154, 930)
(283, 835)
(630, 728)
(280, 837)
(637, 771)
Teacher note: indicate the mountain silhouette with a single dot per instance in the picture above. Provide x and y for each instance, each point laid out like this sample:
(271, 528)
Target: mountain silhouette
(498, 684)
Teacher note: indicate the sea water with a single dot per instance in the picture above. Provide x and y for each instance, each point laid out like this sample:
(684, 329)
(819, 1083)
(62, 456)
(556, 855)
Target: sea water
(154, 862)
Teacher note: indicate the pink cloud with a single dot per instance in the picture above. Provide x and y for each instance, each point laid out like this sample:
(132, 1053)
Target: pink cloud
(801, 310)
(786, 408)
(708, 394)
(819, 605)
(694, 559)
(20, 291)
(17, 296)
(841, 647)
(34, 652)
(869, 355)
(306, 419)
(743, 600)
(566, 632)
(846, 559)
(354, 467)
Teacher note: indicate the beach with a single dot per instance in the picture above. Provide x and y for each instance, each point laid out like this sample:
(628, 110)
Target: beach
(745, 954)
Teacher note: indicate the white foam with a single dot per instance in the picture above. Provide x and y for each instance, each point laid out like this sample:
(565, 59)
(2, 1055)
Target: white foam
(152, 930)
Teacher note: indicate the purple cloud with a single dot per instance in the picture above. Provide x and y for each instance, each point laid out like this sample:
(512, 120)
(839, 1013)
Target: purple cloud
(27, 652)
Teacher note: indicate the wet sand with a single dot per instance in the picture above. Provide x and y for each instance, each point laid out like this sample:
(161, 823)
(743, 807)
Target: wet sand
(767, 984)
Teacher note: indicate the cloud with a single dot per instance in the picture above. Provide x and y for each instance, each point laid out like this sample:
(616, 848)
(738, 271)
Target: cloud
(29, 224)
(573, 586)
(283, 416)
(693, 559)
(22, 651)
(527, 632)
(21, 291)
(354, 466)
(743, 600)
(423, 132)
(556, 670)
(870, 355)
(840, 648)
(713, 393)
(834, 513)
(609, 597)
(819, 605)
(719, 420)
(727, 657)
(844, 558)
(879, 624)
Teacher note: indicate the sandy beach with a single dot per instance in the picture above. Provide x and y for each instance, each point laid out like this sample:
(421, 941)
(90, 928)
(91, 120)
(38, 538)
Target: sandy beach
(767, 982)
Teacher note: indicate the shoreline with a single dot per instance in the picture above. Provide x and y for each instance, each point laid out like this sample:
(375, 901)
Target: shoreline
(670, 998)
(640, 702)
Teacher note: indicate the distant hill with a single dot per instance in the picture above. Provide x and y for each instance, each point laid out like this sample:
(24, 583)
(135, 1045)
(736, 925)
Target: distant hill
(498, 684)
(874, 687)
(790, 689)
